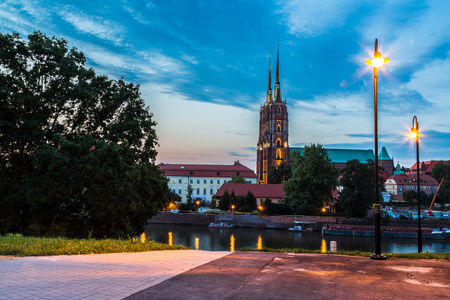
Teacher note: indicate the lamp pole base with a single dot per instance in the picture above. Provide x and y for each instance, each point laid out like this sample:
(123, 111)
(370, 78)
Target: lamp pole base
(378, 256)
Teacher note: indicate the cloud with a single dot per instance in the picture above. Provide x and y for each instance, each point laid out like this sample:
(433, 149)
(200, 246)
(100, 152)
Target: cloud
(309, 18)
(93, 25)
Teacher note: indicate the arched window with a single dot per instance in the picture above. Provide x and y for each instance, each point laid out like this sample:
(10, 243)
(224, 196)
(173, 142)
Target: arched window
(278, 143)
(279, 110)
(278, 154)
(278, 128)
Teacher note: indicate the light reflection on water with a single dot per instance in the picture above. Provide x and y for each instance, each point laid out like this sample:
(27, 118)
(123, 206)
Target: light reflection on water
(231, 239)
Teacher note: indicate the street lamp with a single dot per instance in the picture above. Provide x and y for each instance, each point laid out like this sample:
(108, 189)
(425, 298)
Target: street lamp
(198, 204)
(376, 62)
(414, 134)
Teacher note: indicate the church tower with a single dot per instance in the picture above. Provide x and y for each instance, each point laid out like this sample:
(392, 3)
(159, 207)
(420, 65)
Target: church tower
(273, 147)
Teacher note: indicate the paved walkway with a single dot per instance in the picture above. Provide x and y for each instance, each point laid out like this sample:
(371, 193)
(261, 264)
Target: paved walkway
(100, 276)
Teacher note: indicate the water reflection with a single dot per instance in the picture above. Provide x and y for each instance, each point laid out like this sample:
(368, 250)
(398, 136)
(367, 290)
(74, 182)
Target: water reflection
(232, 243)
(221, 239)
(197, 243)
(259, 244)
(323, 247)
(170, 238)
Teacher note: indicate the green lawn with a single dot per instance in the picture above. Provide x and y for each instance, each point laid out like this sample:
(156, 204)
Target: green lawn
(18, 245)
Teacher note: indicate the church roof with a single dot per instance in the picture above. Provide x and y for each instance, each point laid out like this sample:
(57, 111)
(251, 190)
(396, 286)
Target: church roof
(200, 170)
(384, 154)
(258, 190)
(343, 155)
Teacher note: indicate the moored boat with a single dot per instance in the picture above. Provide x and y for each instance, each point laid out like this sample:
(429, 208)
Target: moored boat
(395, 232)
(220, 225)
(301, 226)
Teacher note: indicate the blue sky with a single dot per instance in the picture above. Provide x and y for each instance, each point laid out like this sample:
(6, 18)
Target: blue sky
(203, 65)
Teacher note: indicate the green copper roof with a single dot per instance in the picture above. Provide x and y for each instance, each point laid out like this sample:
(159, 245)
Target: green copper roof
(343, 155)
(384, 155)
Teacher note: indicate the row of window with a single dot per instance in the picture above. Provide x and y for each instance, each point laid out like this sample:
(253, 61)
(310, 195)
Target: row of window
(211, 191)
(412, 187)
(191, 181)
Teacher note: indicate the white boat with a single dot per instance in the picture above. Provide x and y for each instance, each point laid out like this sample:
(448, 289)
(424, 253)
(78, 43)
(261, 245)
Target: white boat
(300, 226)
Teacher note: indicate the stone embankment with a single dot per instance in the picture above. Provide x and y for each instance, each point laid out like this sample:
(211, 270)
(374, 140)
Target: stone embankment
(280, 222)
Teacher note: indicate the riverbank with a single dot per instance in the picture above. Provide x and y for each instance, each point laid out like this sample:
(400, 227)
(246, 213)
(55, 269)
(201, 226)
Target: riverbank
(283, 222)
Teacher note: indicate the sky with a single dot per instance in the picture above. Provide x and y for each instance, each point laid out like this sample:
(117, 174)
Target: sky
(202, 67)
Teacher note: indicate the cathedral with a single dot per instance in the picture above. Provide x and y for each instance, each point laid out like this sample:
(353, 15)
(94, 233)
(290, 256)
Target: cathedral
(273, 147)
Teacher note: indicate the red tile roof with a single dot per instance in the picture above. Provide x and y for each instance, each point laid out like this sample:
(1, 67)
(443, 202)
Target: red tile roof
(427, 166)
(402, 179)
(259, 190)
(197, 170)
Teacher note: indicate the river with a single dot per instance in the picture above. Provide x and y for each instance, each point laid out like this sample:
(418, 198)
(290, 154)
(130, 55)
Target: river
(214, 239)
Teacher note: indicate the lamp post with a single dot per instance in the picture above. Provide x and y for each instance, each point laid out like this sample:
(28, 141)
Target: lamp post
(414, 134)
(376, 62)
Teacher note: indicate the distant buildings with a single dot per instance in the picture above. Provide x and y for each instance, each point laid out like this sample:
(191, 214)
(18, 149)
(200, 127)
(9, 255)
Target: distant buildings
(205, 179)
(426, 167)
(399, 183)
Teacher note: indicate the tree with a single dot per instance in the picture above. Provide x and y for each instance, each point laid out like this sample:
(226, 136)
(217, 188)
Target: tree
(225, 201)
(409, 195)
(79, 145)
(238, 179)
(281, 173)
(358, 192)
(440, 171)
(189, 200)
(246, 203)
(313, 178)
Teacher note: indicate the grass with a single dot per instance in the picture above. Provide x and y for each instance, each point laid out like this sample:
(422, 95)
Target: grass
(18, 245)
(426, 255)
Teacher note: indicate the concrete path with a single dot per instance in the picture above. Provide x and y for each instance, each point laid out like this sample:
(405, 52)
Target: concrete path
(284, 276)
(100, 276)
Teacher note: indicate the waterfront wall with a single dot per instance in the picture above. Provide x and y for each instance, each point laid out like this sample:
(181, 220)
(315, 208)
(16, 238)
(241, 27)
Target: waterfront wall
(282, 222)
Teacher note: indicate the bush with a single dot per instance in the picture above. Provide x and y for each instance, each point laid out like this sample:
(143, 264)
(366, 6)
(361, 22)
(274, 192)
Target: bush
(309, 210)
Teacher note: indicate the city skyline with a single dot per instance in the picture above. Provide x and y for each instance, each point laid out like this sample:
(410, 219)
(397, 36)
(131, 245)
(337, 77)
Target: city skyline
(202, 67)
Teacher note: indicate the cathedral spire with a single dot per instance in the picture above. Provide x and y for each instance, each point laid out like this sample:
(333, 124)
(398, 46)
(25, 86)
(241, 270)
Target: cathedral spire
(277, 95)
(269, 85)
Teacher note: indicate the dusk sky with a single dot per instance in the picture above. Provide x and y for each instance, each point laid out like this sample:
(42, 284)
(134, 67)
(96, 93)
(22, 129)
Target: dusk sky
(203, 66)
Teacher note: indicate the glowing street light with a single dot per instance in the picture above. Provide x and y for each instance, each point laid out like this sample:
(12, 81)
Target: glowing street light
(414, 134)
(376, 62)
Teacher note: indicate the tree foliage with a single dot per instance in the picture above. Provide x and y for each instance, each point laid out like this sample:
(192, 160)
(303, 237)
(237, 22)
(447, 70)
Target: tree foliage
(238, 179)
(313, 178)
(225, 201)
(77, 150)
(280, 174)
(441, 170)
(358, 192)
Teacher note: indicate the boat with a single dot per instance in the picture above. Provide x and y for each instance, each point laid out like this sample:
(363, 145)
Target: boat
(220, 225)
(392, 232)
(300, 227)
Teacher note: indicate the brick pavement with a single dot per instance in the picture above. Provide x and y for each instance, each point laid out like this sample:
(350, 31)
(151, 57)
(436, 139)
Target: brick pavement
(100, 276)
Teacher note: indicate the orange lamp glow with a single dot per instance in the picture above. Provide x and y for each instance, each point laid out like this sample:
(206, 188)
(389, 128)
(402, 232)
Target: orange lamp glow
(377, 61)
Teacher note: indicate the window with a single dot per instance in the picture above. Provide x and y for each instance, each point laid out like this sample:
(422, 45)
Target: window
(218, 181)
(278, 154)
(191, 181)
(198, 180)
(180, 180)
(204, 181)
(225, 181)
(278, 143)
(179, 191)
(278, 128)
(204, 191)
(279, 110)
(174, 181)
(211, 191)
(198, 191)
(211, 181)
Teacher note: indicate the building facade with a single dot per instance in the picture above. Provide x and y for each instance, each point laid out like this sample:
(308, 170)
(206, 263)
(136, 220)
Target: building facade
(205, 179)
(273, 192)
(272, 147)
(399, 183)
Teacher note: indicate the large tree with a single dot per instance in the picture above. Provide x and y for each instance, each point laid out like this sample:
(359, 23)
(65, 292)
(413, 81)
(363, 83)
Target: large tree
(313, 178)
(358, 185)
(78, 144)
